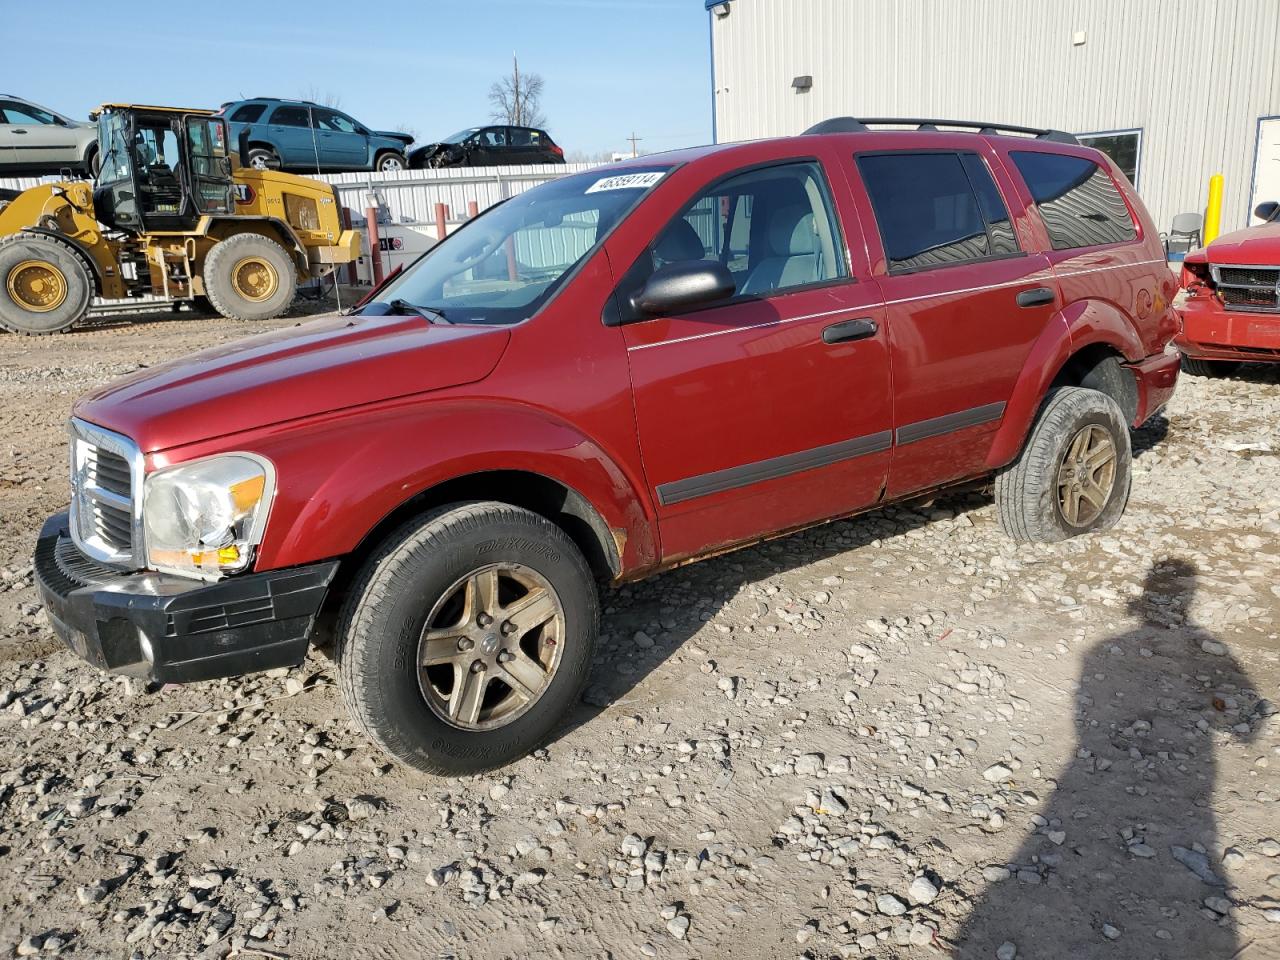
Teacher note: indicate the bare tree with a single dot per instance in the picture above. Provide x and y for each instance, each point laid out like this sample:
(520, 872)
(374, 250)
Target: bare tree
(517, 99)
(325, 98)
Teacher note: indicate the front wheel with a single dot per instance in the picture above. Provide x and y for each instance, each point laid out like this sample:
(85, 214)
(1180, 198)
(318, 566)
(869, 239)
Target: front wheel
(467, 637)
(1073, 474)
(45, 285)
(390, 163)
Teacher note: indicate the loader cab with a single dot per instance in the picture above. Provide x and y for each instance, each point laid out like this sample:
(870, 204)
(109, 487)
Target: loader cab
(162, 170)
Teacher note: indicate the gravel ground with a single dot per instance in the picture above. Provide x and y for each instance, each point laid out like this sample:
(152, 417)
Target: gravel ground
(899, 736)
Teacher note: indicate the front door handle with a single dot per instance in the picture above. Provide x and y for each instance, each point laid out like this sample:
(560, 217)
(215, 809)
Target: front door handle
(1038, 297)
(847, 330)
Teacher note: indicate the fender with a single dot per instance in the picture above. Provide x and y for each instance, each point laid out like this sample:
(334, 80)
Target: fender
(1080, 325)
(95, 268)
(329, 497)
(212, 227)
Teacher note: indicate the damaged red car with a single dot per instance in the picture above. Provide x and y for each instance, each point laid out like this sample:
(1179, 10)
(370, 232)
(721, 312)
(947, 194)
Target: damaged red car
(1231, 313)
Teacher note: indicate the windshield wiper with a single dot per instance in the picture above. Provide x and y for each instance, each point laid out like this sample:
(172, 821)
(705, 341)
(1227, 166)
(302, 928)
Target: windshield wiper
(404, 306)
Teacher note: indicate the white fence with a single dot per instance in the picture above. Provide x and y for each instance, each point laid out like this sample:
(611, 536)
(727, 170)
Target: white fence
(409, 198)
(411, 195)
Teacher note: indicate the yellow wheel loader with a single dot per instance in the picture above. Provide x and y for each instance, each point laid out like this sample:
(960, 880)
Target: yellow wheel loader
(172, 214)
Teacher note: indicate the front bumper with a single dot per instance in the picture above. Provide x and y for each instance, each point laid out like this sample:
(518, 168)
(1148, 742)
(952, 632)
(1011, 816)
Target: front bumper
(172, 629)
(1212, 332)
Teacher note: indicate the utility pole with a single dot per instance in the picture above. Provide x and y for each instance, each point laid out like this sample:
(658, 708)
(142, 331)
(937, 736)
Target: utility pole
(634, 140)
(518, 119)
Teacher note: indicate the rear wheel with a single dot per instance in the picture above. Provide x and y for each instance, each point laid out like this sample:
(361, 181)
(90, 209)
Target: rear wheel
(467, 637)
(1073, 474)
(1208, 368)
(45, 286)
(263, 158)
(92, 162)
(249, 277)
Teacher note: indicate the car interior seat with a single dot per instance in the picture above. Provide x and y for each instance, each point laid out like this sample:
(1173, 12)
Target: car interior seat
(792, 252)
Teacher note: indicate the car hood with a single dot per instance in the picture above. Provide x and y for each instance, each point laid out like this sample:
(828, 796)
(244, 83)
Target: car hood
(1254, 246)
(307, 369)
(405, 138)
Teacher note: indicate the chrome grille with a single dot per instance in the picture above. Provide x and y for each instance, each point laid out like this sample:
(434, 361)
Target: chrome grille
(1248, 287)
(106, 508)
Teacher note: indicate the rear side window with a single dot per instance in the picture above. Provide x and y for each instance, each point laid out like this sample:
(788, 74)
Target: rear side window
(1077, 199)
(291, 117)
(936, 209)
(249, 113)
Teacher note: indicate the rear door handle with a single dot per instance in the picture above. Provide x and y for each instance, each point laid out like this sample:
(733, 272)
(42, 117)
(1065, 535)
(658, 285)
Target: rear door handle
(847, 330)
(1038, 297)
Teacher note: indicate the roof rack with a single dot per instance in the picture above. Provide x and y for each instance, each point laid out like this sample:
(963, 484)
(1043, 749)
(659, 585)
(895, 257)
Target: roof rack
(863, 125)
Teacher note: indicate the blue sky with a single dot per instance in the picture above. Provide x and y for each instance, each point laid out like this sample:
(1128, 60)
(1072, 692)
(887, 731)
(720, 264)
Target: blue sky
(610, 66)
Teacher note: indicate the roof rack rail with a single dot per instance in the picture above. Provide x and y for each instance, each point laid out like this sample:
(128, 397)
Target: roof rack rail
(863, 125)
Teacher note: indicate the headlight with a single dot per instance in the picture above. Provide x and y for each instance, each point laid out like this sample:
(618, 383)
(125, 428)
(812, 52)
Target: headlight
(204, 518)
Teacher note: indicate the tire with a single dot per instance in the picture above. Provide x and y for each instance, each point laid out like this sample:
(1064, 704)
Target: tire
(1031, 504)
(1207, 368)
(405, 709)
(250, 277)
(92, 162)
(45, 285)
(390, 162)
(263, 158)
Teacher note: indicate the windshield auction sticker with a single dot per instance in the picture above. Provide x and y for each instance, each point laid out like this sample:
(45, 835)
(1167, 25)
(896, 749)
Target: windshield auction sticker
(628, 181)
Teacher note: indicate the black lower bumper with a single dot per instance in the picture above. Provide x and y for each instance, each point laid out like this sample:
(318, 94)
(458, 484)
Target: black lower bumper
(173, 629)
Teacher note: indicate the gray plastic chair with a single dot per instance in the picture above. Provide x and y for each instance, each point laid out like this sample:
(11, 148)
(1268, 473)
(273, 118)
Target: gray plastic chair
(1184, 235)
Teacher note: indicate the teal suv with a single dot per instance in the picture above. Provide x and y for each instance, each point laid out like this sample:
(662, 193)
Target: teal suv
(303, 136)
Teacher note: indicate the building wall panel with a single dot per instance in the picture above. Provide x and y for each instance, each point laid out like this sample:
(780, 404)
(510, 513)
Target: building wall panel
(1193, 75)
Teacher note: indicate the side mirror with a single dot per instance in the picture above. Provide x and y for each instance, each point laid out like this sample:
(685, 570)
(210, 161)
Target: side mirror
(683, 285)
(1268, 211)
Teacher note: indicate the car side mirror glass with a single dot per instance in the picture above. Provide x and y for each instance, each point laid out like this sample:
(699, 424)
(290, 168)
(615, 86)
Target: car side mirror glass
(1267, 211)
(683, 285)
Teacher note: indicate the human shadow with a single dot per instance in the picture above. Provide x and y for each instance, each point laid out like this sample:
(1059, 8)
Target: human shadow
(1128, 848)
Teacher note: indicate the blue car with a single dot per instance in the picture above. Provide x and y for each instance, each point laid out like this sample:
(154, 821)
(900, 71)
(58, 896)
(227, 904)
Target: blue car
(303, 136)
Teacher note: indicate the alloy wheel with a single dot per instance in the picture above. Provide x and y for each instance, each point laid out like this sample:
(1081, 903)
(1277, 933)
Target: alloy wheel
(1086, 475)
(491, 646)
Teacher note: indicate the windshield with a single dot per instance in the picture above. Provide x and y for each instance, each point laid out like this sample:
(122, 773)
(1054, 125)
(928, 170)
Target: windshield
(460, 135)
(503, 266)
(113, 129)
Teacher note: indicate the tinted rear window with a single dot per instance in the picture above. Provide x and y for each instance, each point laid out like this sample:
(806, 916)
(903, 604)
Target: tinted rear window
(936, 209)
(249, 113)
(1077, 199)
(292, 116)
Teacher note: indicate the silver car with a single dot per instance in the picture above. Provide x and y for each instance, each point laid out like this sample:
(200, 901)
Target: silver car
(35, 139)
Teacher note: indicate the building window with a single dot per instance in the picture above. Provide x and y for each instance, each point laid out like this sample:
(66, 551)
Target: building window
(1077, 200)
(1122, 146)
(936, 209)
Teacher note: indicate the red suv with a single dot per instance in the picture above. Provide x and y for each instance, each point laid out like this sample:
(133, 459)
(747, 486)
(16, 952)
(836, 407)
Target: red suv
(1231, 314)
(603, 377)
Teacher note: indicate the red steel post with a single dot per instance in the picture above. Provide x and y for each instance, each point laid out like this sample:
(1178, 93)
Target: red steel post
(442, 221)
(375, 249)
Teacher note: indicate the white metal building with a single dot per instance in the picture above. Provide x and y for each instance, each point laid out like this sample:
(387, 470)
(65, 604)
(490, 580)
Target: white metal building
(1174, 90)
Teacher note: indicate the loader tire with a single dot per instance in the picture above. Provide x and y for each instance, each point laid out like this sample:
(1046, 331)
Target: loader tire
(250, 277)
(45, 285)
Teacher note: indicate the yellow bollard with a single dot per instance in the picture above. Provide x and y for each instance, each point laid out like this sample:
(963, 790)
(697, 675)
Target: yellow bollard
(1213, 212)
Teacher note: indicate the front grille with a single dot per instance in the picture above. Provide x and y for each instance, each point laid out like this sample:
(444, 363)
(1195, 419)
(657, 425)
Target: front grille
(1248, 297)
(1249, 276)
(106, 477)
(1248, 287)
